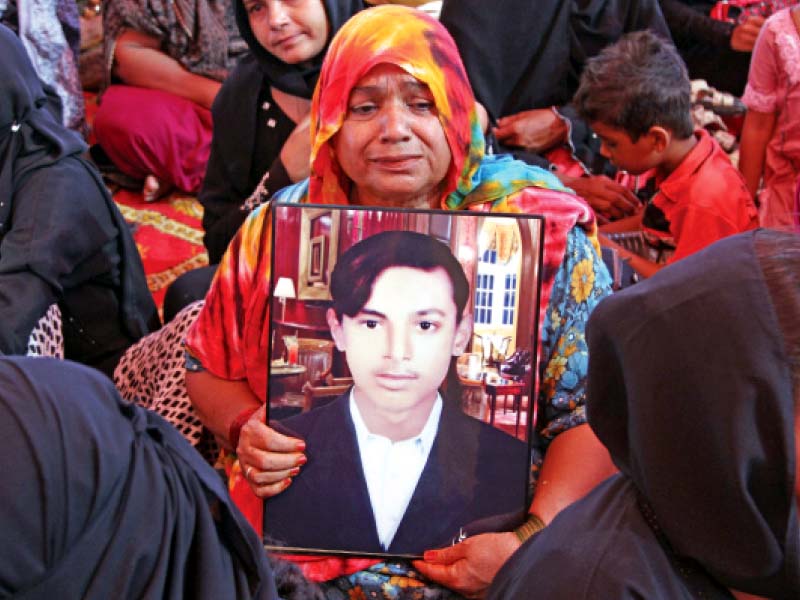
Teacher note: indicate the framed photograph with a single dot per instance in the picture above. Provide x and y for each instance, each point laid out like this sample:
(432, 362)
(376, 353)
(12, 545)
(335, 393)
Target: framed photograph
(413, 383)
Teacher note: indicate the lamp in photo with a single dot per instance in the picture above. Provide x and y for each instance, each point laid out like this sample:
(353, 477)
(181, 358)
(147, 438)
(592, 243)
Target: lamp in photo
(284, 289)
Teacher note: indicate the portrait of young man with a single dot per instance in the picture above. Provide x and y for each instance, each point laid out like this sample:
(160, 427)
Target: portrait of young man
(394, 466)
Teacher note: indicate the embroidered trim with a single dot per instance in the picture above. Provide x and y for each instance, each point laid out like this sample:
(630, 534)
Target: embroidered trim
(259, 196)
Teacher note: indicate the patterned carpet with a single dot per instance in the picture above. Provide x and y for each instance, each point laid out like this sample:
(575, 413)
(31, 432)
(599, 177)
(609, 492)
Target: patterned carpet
(168, 235)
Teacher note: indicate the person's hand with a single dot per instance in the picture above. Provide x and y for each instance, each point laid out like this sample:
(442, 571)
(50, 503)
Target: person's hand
(608, 199)
(744, 35)
(536, 130)
(469, 567)
(268, 459)
(296, 151)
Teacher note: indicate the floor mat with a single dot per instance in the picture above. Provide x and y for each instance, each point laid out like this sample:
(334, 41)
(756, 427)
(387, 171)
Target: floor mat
(168, 235)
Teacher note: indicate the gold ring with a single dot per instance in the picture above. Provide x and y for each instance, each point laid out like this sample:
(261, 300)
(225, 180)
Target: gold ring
(247, 472)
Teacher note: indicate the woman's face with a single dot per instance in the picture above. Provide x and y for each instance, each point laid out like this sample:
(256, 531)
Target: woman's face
(391, 144)
(293, 31)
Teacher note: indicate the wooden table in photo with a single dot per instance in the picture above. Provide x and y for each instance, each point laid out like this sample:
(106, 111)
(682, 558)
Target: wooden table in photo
(504, 387)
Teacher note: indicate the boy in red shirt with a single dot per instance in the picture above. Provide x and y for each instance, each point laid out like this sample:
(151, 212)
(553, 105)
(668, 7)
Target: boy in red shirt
(636, 96)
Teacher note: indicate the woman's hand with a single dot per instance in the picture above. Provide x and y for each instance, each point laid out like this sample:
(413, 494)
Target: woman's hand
(268, 459)
(744, 35)
(536, 130)
(469, 567)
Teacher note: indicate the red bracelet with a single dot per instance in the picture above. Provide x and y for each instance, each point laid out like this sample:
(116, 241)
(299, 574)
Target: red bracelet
(236, 425)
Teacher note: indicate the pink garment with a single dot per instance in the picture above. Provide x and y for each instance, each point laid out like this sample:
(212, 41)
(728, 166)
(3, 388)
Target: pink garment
(773, 86)
(797, 207)
(147, 131)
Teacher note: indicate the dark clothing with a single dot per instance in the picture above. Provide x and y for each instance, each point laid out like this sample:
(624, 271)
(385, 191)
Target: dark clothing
(103, 499)
(608, 551)
(62, 238)
(473, 471)
(689, 23)
(703, 436)
(705, 45)
(69, 244)
(519, 58)
(187, 288)
(243, 148)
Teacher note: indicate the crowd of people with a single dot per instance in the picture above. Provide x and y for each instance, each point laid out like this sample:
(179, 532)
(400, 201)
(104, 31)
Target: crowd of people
(665, 460)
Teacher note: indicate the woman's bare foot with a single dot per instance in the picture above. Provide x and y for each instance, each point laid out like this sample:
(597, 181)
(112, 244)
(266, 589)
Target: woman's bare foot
(154, 189)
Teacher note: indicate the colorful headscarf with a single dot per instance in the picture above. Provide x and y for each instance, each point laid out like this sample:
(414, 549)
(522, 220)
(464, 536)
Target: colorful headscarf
(422, 47)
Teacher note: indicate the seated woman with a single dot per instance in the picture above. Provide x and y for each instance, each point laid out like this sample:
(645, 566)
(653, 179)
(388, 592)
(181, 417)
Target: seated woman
(83, 471)
(524, 67)
(694, 387)
(395, 124)
(62, 238)
(166, 61)
(261, 138)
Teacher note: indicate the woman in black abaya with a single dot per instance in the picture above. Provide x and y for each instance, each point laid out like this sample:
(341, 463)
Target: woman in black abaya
(62, 239)
(102, 499)
(694, 388)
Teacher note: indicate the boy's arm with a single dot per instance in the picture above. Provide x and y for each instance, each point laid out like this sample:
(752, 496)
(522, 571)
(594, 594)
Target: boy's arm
(632, 223)
(756, 133)
(644, 267)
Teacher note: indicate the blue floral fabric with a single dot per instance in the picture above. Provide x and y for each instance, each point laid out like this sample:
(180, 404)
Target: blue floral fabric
(581, 282)
(386, 581)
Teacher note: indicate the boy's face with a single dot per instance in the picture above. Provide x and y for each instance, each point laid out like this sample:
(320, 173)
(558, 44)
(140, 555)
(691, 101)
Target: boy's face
(617, 146)
(399, 346)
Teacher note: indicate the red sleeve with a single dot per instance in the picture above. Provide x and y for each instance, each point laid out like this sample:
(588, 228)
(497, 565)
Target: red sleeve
(220, 338)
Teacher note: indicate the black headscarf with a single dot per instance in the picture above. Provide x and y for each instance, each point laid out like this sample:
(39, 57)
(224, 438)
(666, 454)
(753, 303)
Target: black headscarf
(298, 80)
(522, 55)
(103, 499)
(32, 138)
(691, 389)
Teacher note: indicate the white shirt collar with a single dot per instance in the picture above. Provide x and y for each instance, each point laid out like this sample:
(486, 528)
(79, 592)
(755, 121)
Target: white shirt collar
(425, 437)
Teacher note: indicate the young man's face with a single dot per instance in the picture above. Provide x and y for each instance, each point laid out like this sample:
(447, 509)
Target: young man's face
(399, 346)
(618, 147)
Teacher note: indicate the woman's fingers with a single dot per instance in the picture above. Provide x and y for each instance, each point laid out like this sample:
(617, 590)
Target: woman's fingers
(269, 459)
